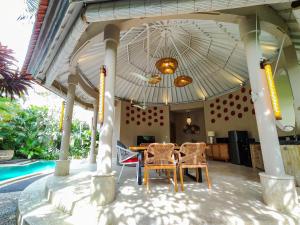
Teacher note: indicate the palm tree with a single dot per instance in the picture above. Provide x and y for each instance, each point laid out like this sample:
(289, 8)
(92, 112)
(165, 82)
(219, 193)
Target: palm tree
(31, 7)
(12, 82)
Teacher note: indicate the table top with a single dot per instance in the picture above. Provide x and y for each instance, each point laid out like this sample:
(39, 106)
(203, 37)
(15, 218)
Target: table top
(143, 148)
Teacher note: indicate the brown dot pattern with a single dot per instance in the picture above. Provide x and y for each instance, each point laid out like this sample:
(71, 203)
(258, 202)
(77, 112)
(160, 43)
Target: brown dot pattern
(232, 106)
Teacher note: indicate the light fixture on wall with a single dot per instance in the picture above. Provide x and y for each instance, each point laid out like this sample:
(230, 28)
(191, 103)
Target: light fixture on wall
(190, 128)
(101, 93)
(189, 120)
(273, 92)
(62, 112)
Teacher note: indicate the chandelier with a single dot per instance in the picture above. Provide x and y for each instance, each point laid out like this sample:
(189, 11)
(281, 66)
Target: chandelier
(182, 81)
(154, 79)
(167, 65)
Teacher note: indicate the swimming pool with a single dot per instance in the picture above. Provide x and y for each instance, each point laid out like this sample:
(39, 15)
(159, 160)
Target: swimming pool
(9, 172)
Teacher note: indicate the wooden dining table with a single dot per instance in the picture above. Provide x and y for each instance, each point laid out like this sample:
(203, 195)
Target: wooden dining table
(140, 150)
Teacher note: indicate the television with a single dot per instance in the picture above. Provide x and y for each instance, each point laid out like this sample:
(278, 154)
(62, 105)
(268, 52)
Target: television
(145, 139)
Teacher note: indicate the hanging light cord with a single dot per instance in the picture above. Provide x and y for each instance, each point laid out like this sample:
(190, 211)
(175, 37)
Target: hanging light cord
(279, 54)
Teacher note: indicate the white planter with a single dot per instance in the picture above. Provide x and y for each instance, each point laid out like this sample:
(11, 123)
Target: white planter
(6, 155)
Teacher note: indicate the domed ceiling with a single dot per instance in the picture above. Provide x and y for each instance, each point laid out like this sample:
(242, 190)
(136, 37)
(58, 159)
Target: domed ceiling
(210, 52)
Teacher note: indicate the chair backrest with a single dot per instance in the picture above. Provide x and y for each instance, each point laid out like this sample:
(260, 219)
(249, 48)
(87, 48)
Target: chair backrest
(124, 154)
(119, 143)
(145, 144)
(192, 153)
(160, 154)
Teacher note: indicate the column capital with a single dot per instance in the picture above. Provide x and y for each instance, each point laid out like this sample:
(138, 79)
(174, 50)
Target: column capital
(112, 33)
(249, 25)
(73, 79)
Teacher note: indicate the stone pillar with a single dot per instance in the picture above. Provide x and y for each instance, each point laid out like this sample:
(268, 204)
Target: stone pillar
(92, 156)
(278, 189)
(293, 69)
(63, 164)
(103, 183)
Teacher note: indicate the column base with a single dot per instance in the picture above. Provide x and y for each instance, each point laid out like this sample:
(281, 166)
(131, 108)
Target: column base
(279, 192)
(62, 168)
(92, 159)
(103, 189)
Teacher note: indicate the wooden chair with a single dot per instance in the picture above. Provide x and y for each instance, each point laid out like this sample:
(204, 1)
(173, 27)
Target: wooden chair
(145, 144)
(158, 157)
(192, 155)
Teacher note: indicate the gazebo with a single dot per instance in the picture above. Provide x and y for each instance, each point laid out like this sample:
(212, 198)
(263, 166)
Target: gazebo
(103, 56)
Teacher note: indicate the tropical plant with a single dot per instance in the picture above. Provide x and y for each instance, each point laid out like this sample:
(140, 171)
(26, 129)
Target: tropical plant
(80, 139)
(34, 133)
(31, 133)
(8, 109)
(12, 82)
(31, 7)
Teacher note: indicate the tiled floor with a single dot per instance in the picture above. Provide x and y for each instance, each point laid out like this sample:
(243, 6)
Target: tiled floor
(9, 195)
(235, 198)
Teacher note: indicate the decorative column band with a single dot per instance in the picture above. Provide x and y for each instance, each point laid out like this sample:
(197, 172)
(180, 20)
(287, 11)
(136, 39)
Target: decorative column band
(273, 91)
(102, 93)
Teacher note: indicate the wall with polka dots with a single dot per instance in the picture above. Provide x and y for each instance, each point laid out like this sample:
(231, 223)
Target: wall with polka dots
(234, 111)
(152, 121)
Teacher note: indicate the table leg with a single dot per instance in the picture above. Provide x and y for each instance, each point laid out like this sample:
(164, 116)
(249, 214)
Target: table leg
(193, 177)
(139, 168)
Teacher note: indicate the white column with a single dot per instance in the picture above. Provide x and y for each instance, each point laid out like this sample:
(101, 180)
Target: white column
(293, 69)
(63, 164)
(92, 156)
(278, 188)
(103, 183)
(104, 160)
(262, 102)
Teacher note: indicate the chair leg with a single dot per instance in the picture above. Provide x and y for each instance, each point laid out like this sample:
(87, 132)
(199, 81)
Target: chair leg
(121, 173)
(168, 175)
(175, 180)
(146, 171)
(207, 177)
(197, 175)
(181, 178)
(145, 176)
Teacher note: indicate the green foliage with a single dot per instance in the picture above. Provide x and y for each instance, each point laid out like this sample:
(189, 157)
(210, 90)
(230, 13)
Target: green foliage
(31, 133)
(34, 133)
(8, 108)
(80, 140)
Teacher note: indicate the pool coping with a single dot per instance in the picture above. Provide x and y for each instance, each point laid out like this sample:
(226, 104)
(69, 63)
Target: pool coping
(22, 164)
(20, 178)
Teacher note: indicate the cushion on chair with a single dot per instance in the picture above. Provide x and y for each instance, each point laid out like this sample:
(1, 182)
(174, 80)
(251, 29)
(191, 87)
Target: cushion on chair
(131, 160)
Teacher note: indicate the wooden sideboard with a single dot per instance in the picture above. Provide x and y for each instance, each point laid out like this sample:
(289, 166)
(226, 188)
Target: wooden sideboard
(291, 160)
(218, 152)
(256, 156)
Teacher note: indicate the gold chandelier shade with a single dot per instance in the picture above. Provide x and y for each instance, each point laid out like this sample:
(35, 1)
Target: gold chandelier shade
(167, 65)
(154, 79)
(182, 81)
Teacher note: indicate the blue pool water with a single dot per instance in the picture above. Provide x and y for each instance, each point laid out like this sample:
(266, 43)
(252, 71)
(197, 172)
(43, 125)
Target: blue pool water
(8, 172)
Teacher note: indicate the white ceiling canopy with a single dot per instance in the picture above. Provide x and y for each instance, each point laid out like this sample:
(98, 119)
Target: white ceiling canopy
(208, 51)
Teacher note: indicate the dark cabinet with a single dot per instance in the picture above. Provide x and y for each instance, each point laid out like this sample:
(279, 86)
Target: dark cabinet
(239, 148)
